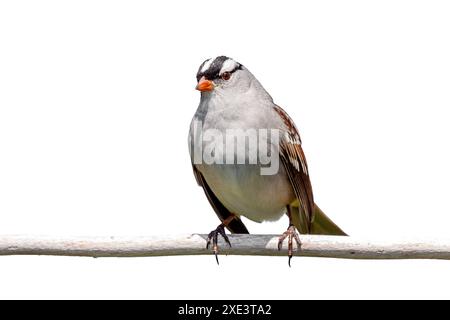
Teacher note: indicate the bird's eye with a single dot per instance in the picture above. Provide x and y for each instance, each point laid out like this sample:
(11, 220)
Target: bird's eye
(226, 76)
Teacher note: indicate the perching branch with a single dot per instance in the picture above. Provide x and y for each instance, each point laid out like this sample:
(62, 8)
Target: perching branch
(261, 245)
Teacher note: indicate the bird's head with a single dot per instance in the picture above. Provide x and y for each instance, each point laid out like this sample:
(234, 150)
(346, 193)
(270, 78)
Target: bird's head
(222, 74)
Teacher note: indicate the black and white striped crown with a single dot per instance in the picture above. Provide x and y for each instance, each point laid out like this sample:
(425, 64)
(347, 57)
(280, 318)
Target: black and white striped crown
(213, 68)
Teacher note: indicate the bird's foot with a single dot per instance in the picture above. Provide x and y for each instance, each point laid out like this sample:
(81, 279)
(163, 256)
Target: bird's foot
(213, 237)
(291, 234)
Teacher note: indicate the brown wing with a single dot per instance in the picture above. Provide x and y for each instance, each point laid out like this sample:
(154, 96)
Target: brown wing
(294, 161)
(236, 225)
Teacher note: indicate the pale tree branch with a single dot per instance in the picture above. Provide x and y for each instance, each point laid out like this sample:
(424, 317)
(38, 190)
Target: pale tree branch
(260, 245)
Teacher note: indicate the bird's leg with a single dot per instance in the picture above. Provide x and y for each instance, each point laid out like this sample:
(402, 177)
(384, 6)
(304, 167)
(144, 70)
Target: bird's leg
(213, 236)
(291, 234)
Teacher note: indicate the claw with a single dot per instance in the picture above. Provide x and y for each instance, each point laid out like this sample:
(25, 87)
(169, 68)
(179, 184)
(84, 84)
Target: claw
(217, 258)
(224, 236)
(209, 240)
(213, 239)
(297, 240)
(291, 234)
(281, 240)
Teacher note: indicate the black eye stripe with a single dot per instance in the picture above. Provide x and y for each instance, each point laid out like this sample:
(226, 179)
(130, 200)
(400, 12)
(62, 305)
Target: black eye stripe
(214, 69)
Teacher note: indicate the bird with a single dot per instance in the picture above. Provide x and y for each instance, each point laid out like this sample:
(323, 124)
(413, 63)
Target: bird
(232, 99)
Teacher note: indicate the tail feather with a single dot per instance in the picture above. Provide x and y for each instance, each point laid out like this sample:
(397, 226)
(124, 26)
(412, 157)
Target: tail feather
(321, 223)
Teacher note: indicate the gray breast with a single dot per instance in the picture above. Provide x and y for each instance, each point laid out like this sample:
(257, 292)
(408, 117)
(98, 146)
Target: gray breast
(241, 187)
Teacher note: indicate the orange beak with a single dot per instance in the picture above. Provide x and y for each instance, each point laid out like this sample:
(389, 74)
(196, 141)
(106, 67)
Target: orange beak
(204, 85)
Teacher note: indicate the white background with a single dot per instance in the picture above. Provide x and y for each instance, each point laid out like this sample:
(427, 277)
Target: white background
(95, 102)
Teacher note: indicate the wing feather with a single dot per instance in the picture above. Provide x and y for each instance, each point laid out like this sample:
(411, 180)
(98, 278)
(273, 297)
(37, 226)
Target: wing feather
(294, 161)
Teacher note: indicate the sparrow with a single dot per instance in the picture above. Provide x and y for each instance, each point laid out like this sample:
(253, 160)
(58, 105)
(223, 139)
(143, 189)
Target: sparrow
(232, 98)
